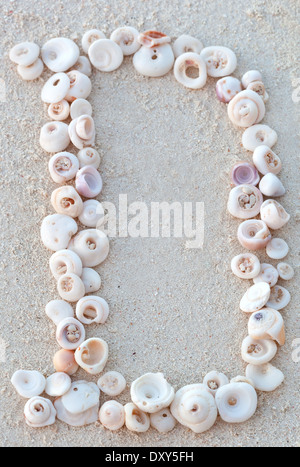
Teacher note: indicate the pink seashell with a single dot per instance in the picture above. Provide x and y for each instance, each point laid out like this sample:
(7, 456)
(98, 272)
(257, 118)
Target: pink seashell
(153, 38)
(88, 182)
(227, 88)
(243, 172)
(254, 234)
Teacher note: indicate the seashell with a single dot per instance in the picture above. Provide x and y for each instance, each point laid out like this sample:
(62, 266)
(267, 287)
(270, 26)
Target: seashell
(63, 167)
(57, 310)
(279, 298)
(80, 86)
(246, 109)
(59, 111)
(255, 298)
(186, 62)
(259, 88)
(267, 274)
(91, 280)
(267, 324)
(112, 415)
(91, 36)
(66, 200)
(105, 55)
(54, 137)
(81, 396)
(28, 383)
(270, 185)
(56, 88)
(58, 384)
(236, 402)
(277, 248)
(185, 44)
(88, 182)
(242, 379)
(244, 201)
(214, 380)
(253, 234)
(81, 419)
(91, 245)
(64, 361)
(112, 383)
(25, 53)
(285, 271)
(31, 72)
(135, 419)
(152, 39)
(163, 421)
(154, 62)
(60, 54)
(220, 61)
(39, 412)
(89, 156)
(244, 173)
(80, 107)
(273, 214)
(265, 377)
(245, 266)
(258, 135)
(82, 131)
(265, 160)
(258, 351)
(56, 231)
(250, 76)
(70, 333)
(151, 392)
(194, 407)
(83, 65)
(127, 38)
(92, 309)
(70, 287)
(227, 88)
(92, 214)
(65, 262)
(92, 355)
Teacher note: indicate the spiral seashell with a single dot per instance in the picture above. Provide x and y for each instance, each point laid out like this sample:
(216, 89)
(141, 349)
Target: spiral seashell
(270, 185)
(31, 72)
(194, 407)
(82, 131)
(91, 280)
(244, 201)
(65, 262)
(105, 55)
(163, 421)
(214, 380)
(91, 245)
(186, 62)
(267, 324)
(255, 298)
(279, 297)
(259, 88)
(39, 412)
(83, 65)
(185, 44)
(253, 234)
(92, 214)
(267, 274)
(89, 37)
(70, 333)
(70, 287)
(152, 39)
(88, 182)
(227, 88)
(135, 419)
(80, 86)
(265, 377)
(92, 309)
(57, 230)
(64, 361)
(58, 384)
(80, 107)
(92, 355)
(89, 156)
(244, 173)
(265, 160)
(59, 111)
(154, 62)
(258, 135)
(112, 383)
(236, 402)
(277, 248)
(245, 266)
(66, 200)
(57, 310)
(112, 415)
(60, 54)
(25, 53)
(54, 137)
(151, 392)
(127, 38)
(250, 76)
(246, 109)
(258, 351)
(28, 383)
(56, 88)
(220, 61)
(273, 214)
(285, 271)
(63, 167)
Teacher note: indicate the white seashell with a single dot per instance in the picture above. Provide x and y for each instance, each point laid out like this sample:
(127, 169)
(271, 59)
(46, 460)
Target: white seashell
(63, 167)
(70, 287)
(92, 214)
(220, 61)
(92, 309)
(76, 420)
(92, 355)
(244, 201)
(236, 402)
(105, 55)
(28, 383)
(56, 88)
(163, 421)
(153, 39)
(70, 333)
(91, 36)
(194, 407)
(91, 245)
(246, 109)
(267, 274)
(250, 76)
(66, 200)
(82, 131)
(112, 415)
(286, 272)
(185, 62)
(112, 383)
(57, 230)
(270, 185)
(255, 298)
(253, 234)
(89, 156)
(242, 379)
(265, 377)
(127, 38)
(57, 310)
(279, 298)
(245, 266)
(154, 62)
(259, 88)
(151, 392)
(258, 351)
(59, 111)
(185, 44)
(64, 361)
(267, 324)
(135, 419)
(60, 54)
(58, 384)
(65, 262)
(91, 280)
(39, 412)
(214, 380)
(80, 107)
(88, 182)
(273, 214)
(81, 396)
(227, 88)
(80, 86)
(277, 248)
(54, 137)
(31, 72)
(25, 53)
(258, 135)
(265, 160)
(83, 65)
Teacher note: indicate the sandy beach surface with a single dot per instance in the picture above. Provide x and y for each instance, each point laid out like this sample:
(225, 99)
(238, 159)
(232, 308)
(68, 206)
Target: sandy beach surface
(173, 309)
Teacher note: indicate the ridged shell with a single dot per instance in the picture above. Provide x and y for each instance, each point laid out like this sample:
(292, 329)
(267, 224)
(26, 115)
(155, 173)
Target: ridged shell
(151, 392)
(246, 109)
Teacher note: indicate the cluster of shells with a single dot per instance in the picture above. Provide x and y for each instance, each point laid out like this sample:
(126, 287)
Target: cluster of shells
(154, 401)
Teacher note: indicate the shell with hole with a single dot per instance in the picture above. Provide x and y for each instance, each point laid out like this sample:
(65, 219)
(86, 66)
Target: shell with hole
(127, 38)
(65, 262)
(151, 392)
(135, 419)
(57, 230)
(39, 412)
(112, 415)
(70, 287)
(112, 383)
(236, 402)
(267, 324)
(92, 355)
(70, 333)
(266, 161)
(188, 61)
(91, 245)
(66, 200)
(214, 380)
(63, 167)
(244, 201)
(246, 109)
(267, 274)
(258, 351)
(154, 62)
(258, 135)
(92, 309)
(54, 136)
(254, 234)
(220, 61)
(245, 266)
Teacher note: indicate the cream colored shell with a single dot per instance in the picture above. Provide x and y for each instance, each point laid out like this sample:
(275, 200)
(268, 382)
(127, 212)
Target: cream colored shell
(56, 88)
(81, 396)
(127, 38)
(214, 380)
(92, 309)
(65, 262)
(91, 280)
(258, 135)
(89, 156)
(151, 392)
(163, 421)
(70, 287)
(154, 62)
(274, 214)
(56, 231)
(135, 419)
(267, 324)
(83, 65)
(265, 377)
(92, 214)
(92, 355)
(39, 412)
(236, 402)
(254, 234)
(31, 72)
(258, 351)
(66, 200)
(279, 297)
(105, 55)
(266, 161)
(112, 383)
(112, 415)
(70, 333)
(255, 298)
(250, 76)
(25, 53)
(82, 131)
(244, 201)
(91, 245)
(57, 310)
(58, 384)
(60, 54)
(80, 107)
(267, 274)
(28, 383)
(270, 185)
(245, 266)
(54, 136)
(87, 417)
(59, 111)
(246, 109)
(285, 270)
(64, 361)
(80, 86)
(220, 61)
(89, 37)
(277, 248)
(63, 167)
(186, 61)
(185, 44)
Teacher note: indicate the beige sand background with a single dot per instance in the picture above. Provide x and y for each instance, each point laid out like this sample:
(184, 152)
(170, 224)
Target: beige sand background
(172, 310)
